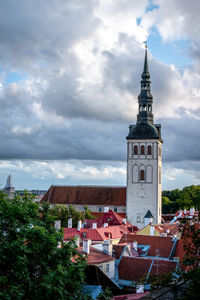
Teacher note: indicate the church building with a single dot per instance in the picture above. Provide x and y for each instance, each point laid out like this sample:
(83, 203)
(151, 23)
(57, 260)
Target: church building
(141, 198)
(144, 160)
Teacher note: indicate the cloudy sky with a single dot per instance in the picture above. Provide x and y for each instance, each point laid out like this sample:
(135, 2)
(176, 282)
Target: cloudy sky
(69, 80)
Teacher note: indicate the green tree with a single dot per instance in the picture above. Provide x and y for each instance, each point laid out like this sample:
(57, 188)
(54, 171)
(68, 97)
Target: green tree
(63, 213)
(32, 265)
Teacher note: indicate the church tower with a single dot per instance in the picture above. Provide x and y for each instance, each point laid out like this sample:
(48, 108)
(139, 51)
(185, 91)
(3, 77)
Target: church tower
(144, 160)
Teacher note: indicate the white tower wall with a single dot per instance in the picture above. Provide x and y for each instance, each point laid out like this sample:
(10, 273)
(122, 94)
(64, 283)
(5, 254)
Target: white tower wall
(144, 195)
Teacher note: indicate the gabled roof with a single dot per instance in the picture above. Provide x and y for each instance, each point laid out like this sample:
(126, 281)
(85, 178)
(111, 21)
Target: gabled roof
(99, 234)
(96, 256)
(135, 268)
(112, 219)
(118, 249)
(86, 195)
(148, 215)
(161, 246)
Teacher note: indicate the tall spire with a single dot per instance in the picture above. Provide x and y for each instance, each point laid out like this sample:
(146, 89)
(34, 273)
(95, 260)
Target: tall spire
(145, 127)
(146, 69)
(145, 99)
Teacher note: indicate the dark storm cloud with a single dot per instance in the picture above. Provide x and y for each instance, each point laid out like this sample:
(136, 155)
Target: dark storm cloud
(181, 139)
(33, 34)
(54, 114)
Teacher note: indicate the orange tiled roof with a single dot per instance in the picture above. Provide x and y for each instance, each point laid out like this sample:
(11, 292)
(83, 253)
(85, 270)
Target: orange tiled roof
(88, 195)
(159, 245)
(96, 256)
(99, 234)
(135, 268)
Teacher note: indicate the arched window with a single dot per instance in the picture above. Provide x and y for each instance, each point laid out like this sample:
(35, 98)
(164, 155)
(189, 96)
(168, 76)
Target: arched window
(149, 107)
(142, 150)
(144, 108)
(141, 174)
(135, 150)
(149, 150)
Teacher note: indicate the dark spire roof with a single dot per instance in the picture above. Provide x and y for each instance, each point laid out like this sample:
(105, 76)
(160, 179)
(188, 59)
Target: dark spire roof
(145, 127)
(148, 215)
(146, 73)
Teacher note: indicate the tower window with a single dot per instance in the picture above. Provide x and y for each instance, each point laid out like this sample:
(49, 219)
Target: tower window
(144, 108)
(142, 175)
(135, 150)
(149, 150)
(149, 107)
(140, 107)
(142, 150)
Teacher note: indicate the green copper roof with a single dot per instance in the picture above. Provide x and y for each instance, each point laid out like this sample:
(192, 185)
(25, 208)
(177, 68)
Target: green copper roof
(148, 215)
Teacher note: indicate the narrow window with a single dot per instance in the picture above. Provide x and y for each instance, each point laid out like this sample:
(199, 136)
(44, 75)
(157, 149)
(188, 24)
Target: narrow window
(100, 209)
(135, 151)
(144, 108)
(149, 150)
(142, 150)
(115, 209)
(140, 107)
(138, 219)
(149, 107)
(142, 175)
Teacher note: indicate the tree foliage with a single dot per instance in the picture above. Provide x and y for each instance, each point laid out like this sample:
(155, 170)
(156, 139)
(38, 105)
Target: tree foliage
(32, 266)
(63, 213)
(177, 199)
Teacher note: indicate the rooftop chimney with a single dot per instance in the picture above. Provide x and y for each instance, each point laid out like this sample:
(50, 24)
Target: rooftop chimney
(124, 220)
(94, 225)
(106, 209)
(192, 210)
(135, 245)
(77, 240)
(57, 225)
(86, 246)
(79, 225)
(107, 247)
(70, 223)
(151, 229)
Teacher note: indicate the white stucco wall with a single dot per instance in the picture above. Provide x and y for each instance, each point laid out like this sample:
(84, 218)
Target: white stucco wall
(111, 273)
(144, 195)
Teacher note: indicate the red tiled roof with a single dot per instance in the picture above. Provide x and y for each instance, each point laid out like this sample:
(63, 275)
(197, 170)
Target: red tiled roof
(96, 256)
(99, 234)
(130, 296)
(99, 214)
(172, 227)
(88, 195)
(135, 268)
(118, 250)
(159, 245)
(111, 218)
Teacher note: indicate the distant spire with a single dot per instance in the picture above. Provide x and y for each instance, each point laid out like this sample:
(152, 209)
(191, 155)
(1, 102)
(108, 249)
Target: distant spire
(9, 188)
(9, 182)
